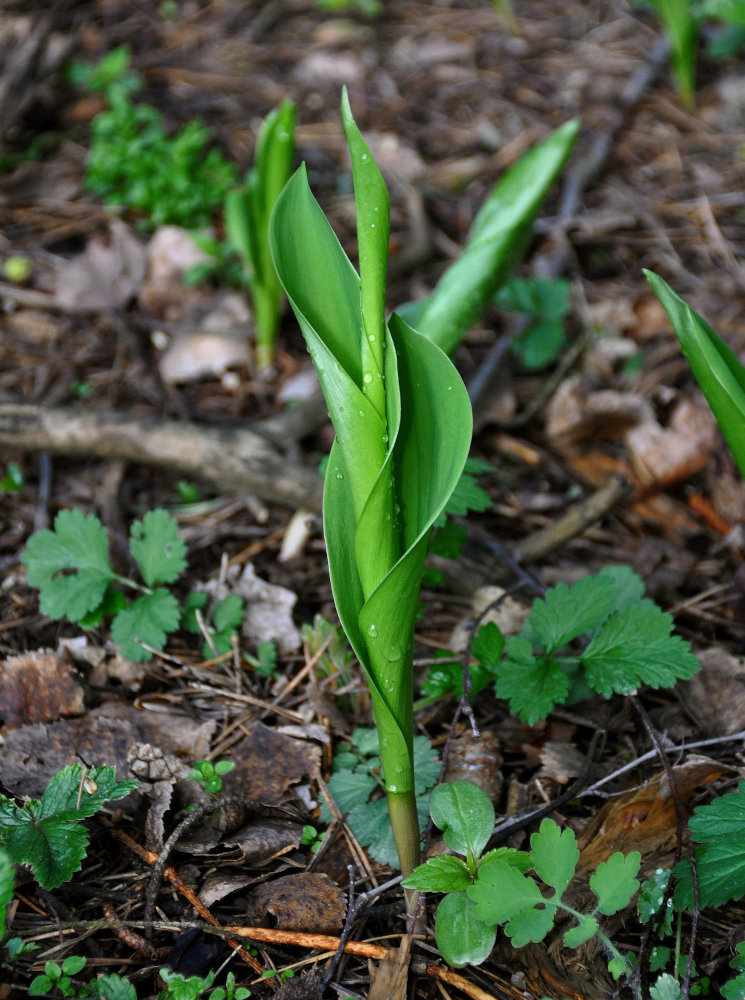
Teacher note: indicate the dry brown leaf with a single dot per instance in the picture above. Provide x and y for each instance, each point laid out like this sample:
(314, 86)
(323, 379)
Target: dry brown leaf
(102, 277)
(37, 686)
(268, 764)
(306, 901)
(715, 696)
(262, 840)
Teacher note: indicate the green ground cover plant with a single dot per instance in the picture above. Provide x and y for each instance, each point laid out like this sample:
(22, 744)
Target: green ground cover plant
(133, 162)
(486, 889)
(49, 835)
(627, 643)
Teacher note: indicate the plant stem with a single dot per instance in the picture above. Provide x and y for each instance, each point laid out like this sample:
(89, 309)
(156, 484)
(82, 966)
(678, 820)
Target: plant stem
(405, 823)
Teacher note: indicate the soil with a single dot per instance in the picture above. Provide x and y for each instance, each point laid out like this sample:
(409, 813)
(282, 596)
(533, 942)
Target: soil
(449, 94)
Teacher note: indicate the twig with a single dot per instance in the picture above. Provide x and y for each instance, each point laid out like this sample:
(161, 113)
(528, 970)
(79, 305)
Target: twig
(234, 458)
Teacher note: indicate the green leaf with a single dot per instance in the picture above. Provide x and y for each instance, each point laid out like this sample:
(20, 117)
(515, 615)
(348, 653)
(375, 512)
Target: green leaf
(148, 619)
(496, 243)
(501, 891)
(464, 813)
(48, 835)
(615, 881)
(371, 825)
(156, 547)
(113, 987)
(488, 645)
(69, 565)
(195, 601)
(666, 988)
(720, 854)
(650, 899)
(349, 789)
(716, 367)
(634, 647)
(568, 612)
(461, 938)
(584, 930)
(467, 496)
(547, 298)
(228, 614)
(6, 888)
(443, 873)
(554, 855)
(449, 538)
(531, 685)
(735, 988)
(539, 344)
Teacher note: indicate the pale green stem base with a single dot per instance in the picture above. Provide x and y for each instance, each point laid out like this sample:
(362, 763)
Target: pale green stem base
(405, 823)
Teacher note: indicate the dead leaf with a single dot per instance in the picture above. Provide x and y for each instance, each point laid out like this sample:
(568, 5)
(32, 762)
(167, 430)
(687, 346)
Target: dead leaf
(268, 764)
(268, 616)
(38, 686)
(477, 760)
(103, 276)
(32, 754)
(560, 761)
(262, 840)
(306, 901)
(644, 819)
(201, 354)
(389, 978)
(671, 454)
(715, 696)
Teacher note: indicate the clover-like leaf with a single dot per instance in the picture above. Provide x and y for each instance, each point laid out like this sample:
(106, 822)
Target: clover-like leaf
(554, 855)
(615, 882)
(157, 548)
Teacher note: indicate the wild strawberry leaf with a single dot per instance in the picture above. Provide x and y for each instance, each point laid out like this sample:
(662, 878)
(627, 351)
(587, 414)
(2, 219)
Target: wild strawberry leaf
(157, 548)
(48, 834)
(635, 647)
(532, 685)
(720, 853)
(567, 612)
(69, 565)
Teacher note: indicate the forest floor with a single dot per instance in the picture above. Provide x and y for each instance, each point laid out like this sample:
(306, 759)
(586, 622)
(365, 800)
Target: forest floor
(111, 359)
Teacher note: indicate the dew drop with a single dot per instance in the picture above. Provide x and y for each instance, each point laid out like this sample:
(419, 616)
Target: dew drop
(364, 157)
(393, 653)
(450, 388)
(372, 225)
(339, 475)
(393, 789)
(373, 631)
(367, 378)
(361, 412)
(371, 338)
(384, 438)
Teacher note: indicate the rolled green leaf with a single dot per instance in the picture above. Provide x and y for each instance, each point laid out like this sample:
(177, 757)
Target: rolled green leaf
(403, 429)
(496, 243)
(247, 211)
(716, 367)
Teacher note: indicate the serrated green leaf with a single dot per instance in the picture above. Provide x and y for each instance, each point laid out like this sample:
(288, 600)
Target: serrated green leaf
(666, 988)
(530, 924)
(488, 645)
(444, 873)
(228, 613)
(157, 548)
(500, 891)
(73, 793)
(720, 853)
(615, 881)
(628, 585)
(348, 789)
(634, 647)
(539, 344)
(366, 741)
(531, 685)
(518, 859)
(734, 989)
(464, 813)
(461, 938)
(195, 601)
(554, 855)
(148, 619)
(113, 987)
(467, 496)
(371, 825)
(426, 765)
(53, 848)
(576, 936)
(659, 957)
(69, 565)
(568, 612)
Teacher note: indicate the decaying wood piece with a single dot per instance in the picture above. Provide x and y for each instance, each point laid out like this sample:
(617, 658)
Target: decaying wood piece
(233, 458)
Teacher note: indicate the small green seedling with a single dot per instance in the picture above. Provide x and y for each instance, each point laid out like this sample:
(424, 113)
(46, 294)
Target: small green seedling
(282, 974)
(13, 481)
(311, 838)
(484, 890)
(49, 834)
(134, 163)
(59, 978)
(265, 661)
(499, 237)
(716, 367)
(734, 989)
(544, 302)
(445, 676)
(230, 991)
(225, 623)
(356, 783)
(70, 566)
(16, 948)
(209, 775)
(247, 210)
(682, 30)
(628, 644)
(179, 987)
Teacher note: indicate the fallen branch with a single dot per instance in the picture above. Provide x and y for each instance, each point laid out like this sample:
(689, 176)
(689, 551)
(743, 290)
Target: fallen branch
(233, 458)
